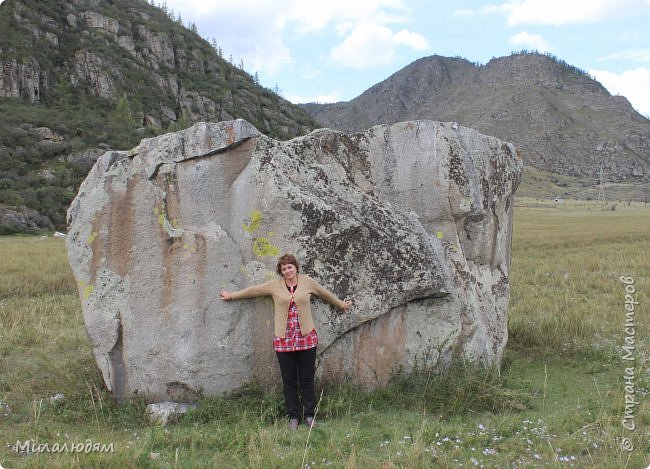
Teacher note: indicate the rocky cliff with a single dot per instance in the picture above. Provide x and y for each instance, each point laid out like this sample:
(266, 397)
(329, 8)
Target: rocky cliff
(562, 120)
(112, 48)
(103, 74)
(412, 221)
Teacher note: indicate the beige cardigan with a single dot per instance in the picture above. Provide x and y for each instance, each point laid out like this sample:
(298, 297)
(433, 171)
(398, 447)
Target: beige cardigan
(277, 289)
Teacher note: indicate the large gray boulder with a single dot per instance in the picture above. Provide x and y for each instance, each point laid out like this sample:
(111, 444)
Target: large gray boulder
(412, 221)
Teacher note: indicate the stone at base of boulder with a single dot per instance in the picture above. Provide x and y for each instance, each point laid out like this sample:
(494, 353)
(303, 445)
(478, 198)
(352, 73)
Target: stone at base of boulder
(161, 413)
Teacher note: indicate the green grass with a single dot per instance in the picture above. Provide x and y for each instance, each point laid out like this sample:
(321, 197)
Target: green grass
(556, 401)
(565, 287)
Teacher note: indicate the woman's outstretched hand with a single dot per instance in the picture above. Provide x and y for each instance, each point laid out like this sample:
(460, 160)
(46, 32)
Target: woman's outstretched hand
(225, 295)
(348, 303)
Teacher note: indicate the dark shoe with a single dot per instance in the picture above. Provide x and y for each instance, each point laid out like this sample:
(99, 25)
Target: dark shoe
(293, 424)
(310, 422)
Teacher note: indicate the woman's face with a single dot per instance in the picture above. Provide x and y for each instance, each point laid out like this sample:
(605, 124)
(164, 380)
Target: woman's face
(288, 271)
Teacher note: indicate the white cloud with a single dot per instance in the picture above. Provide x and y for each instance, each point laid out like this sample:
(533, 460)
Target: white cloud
(343, 14)
(308, 16)
(558, 12)
(332, 97)
(466, 12)
(414, 40)
(309, 72)
(635, 55)
(250, 30)
(489, 9)
(533, 41)
(633, 84)
(257, 30)
(561, 12)
(370, 45)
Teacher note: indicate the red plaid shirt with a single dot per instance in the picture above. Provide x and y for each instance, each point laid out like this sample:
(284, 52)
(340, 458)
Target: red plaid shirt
(294, 340)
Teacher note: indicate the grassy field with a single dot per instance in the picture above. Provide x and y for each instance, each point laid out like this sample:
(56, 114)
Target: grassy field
(557, 401)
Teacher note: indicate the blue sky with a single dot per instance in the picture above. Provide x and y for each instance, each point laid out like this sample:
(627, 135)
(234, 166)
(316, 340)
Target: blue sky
(333, 50)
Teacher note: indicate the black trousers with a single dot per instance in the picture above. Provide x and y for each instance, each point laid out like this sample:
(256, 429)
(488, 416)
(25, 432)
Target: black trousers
(298, 368)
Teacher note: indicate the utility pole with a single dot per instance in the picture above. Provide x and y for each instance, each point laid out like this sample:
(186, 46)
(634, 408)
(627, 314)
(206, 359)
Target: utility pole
(601, 190)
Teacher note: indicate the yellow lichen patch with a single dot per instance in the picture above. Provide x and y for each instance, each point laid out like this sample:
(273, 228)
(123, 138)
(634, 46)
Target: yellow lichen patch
(87, 291)
(188, 250)
(254, 220)
(262, 247)
(440, 234)
(160, 213)
(92, 237)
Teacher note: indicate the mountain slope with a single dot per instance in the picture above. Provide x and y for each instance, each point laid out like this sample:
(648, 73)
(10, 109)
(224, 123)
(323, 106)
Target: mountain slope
(563, 121)
(81, 76)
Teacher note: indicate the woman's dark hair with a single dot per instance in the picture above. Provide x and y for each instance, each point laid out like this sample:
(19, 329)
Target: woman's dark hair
(287, 259)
